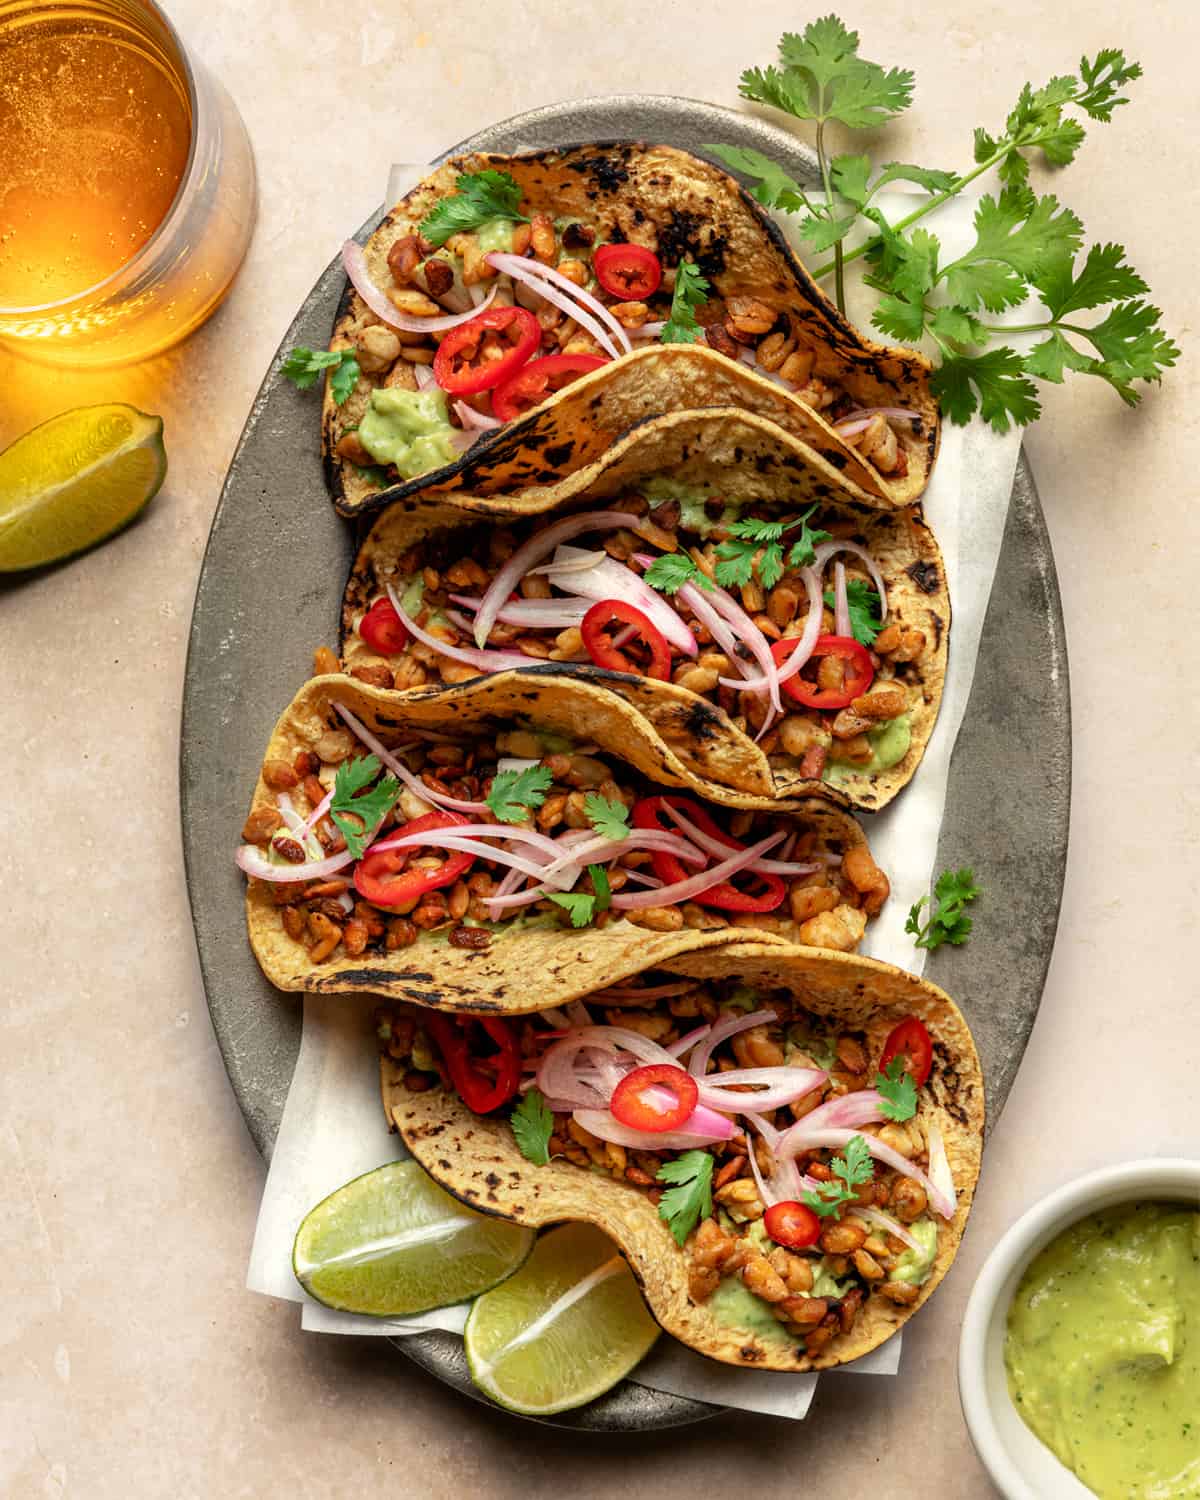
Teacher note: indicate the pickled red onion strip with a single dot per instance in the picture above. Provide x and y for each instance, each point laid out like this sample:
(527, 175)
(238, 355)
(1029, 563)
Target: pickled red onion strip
(483, 661)
(355, 262)
(610, 579)
(535, 614)
(805, 642)
(470, 418)
(721, 1032)
(401, 771)
(841, 602)
(684, 890)
(943, 1202)
(253, 861)
(600, 1123)
(885, 1221)
(826, 550)
(521, 269)
(711, 845)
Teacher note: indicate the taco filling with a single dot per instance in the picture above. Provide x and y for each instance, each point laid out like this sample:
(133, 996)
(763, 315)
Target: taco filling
(814, 631)
(367, 850)
(796, 1161)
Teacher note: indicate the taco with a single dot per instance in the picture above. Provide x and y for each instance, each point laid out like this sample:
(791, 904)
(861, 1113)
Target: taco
(783, 1143)
(846, 608)
(400, 844)
(500, 280)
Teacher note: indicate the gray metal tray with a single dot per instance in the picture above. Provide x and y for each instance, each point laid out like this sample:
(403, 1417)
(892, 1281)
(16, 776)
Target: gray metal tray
(269, 592)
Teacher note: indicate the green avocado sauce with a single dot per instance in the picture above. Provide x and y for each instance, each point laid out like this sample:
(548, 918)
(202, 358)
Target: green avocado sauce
(914, 1266)
(889, 744)
(733, 1304)
(1103, 1351)
(410, 429)
(692, 500)
(496, 234)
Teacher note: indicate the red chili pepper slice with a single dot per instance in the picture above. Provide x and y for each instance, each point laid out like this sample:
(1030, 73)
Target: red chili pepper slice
(792, 1224)
(381, 628)
(380, 876)
(540, 378)
(912, 1044)
(635, 1105)
(479, 1090)
(459, 366)
(859, 671)
(647, 813)
(628, 272)
(598, 642)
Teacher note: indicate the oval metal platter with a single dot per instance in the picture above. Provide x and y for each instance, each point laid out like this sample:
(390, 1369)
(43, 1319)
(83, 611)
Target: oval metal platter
(262, 606)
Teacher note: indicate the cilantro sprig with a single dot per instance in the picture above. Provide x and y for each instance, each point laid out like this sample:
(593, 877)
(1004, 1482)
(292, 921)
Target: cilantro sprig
(947, 922)
(863, 602)
(1025, 244)
(302, 366)
(898, 1090)
(691, 292)
(608, 817)
(513, 795)
(480, 198)
(356, 811)
(752, 538)
(689, 1199)
(532, 1126)
(850, 1170)
(585, 906)
(669, 572)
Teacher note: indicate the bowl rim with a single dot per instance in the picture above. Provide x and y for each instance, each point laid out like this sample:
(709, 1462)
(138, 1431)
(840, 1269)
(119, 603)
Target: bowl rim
(1144, 1178)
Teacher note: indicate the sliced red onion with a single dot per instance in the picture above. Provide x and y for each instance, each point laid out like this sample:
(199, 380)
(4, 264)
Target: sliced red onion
(886, 1222)
(729, 635)
(540, 545)
(319, 811)
(290, 816)
(686, 1043)
(253, 861)
(651, 330)
(498, 904)
(610, 579)
(721, 1032)
(781, 1086)
(401, 771)
(557, 1075)
(639, 877)
(440, 838)
(601, 1123)
(852, 429)
(939, 1168)
(767, 1192)
(841, 604)
(600, 850)
(651, 992)
(584, 563)
(805, 642)
(711, 845)
(478, 831)
(521, 269)
(578, 1013)
(837, 1140)
(827, 549)
(684, 890)
(900, 413)
(485, 661)
(470, 418)
(846, 1112)
(424, 376)
(355, 262)
(532, 614)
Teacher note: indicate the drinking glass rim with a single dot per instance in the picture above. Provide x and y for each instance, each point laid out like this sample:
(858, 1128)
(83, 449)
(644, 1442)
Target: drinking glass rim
(138, 263)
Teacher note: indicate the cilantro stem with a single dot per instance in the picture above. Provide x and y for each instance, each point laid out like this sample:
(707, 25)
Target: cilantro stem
(843, 258)
(838, 259)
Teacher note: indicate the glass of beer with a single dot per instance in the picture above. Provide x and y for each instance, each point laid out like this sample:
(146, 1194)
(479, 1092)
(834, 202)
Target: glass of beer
(127, 190)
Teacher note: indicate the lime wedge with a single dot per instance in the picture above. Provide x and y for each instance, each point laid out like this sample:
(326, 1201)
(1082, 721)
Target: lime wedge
(565, 1328)
(392, 1242)
(75, 480)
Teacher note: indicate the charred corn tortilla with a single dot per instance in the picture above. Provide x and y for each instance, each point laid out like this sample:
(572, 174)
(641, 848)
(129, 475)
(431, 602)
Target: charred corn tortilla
(477, 1159)
(742, 459)
(527, 968)
(681, 208)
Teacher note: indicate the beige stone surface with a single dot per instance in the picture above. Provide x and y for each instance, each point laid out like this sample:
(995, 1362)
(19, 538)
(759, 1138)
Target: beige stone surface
(132, 1362)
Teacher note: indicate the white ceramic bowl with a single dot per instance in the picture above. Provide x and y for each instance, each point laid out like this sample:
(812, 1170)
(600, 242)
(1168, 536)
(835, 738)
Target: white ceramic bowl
(1020, 1465)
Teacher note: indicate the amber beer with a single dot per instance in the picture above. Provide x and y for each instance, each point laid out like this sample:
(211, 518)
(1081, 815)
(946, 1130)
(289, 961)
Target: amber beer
(126, 182)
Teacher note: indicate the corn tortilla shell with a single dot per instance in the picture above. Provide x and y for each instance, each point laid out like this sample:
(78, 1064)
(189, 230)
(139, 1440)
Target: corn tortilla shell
(682, 208)
(476, 1158)
(530, 968)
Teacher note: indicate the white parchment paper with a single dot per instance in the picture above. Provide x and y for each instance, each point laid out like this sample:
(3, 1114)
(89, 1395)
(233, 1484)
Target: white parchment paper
(333, 1127)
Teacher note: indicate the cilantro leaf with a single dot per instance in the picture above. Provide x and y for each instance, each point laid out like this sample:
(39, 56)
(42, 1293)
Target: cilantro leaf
(1104, 277)
(753, 537)
(355, 811)
(532, 1126)
(930, 178)
(1132, 347)
(865, 622)
(823, 78)
(994, 383)
(580, 904)
(480, 198)
(689, 1200)
(1054, 355)
(609, 818)
(823, 233)
(691, 291)
(669, 572)
(851, 175)
(947, 921)
(602, 887)
(302, 366)
(899, 318)
(899, 1091)
(850, 1170)
(515, 794)
(775, 188)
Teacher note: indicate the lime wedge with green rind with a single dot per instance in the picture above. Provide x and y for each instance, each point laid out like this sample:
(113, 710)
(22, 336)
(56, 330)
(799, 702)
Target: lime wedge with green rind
(392, 1242)
(561, 1331)
(76, 480)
